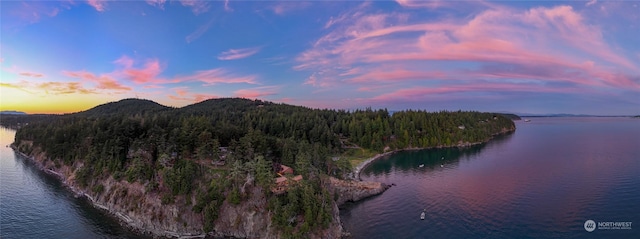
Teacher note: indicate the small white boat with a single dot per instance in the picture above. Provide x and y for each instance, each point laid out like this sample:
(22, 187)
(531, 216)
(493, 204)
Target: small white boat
(423, 214)
(527, 120)
(421, 165)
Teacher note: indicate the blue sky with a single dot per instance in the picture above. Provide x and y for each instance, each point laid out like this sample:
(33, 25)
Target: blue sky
(520, 56)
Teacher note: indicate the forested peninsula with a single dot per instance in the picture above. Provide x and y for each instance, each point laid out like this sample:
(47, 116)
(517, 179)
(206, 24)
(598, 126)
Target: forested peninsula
(230, 167)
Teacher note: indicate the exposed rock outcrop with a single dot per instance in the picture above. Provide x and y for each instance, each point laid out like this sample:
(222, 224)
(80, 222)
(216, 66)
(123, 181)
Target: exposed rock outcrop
(352, 191)
(144, 212)
(249, 219)
(129, 202)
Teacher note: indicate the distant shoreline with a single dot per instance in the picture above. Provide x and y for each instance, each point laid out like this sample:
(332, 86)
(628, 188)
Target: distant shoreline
(358, 169)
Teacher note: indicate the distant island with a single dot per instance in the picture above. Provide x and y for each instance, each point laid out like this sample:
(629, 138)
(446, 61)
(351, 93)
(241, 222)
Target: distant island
(511, 116)
(12, 112)
(232, 167)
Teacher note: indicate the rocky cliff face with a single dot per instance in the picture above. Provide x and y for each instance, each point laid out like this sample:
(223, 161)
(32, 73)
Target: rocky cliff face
(144, 212)
(130, 202)
(252, 219)
(352, 191)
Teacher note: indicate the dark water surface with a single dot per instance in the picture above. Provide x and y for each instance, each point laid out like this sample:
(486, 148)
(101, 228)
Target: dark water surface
(543, 181)
(36, 205)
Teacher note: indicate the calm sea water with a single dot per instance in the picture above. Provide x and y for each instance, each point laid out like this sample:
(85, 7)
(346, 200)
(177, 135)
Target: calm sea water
(543, 181)
(35, 205)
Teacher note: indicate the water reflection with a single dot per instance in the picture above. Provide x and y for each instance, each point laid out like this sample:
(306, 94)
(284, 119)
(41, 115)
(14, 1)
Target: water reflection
(543, 181)
(430, 159)
(34, 204)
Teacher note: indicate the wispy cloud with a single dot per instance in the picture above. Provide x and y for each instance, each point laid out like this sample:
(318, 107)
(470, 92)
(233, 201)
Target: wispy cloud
(147, 74)
(422, 3)
(284, 7)
(217, 76)
(227, 7)
(102, 82)
(50, 87)
(234, 54)
(22, 86)
(157, 3)
(421, 93)
(183, 94)
(33, 11)
(197, 6)
(257, 92)
(64, 88)
(31, 74)
(99, 5)
(198, 32)
(543, 45)
(589, 3)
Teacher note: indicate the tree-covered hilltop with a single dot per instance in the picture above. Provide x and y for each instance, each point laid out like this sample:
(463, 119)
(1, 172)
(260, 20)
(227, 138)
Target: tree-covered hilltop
(207, 154)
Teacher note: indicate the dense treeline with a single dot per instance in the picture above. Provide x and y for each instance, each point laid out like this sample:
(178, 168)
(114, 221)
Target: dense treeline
(173, 150)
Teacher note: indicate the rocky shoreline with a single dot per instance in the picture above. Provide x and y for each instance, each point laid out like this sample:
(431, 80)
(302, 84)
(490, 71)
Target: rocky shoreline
(255, 218)
(348, 191)
(123, 219)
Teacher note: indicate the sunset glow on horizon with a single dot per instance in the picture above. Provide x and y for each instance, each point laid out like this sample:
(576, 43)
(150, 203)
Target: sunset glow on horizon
(579, 57)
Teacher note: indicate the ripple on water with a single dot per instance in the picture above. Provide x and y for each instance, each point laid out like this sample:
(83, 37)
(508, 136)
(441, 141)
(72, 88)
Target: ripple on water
(539, 183)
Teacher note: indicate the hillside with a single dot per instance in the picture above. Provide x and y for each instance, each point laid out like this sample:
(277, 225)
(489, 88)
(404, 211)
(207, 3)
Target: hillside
(125, 106)
(210, 167)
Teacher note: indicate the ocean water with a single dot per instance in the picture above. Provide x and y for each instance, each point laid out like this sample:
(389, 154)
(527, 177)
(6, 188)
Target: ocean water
(543, 181)
(36, 205)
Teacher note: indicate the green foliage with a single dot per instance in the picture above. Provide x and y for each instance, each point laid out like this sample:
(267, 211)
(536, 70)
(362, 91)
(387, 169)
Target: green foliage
(82, 176)
(179, 178)
(308, 199)
(98, 188)
(208, 202)
(234, 196)
(171, 149)
(167, 199)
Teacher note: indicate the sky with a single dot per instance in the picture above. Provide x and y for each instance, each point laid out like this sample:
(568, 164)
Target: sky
(580, 57)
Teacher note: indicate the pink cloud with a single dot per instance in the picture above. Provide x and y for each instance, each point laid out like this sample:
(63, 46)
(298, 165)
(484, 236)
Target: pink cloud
(33, 11)
(197, 6)
(234, 54)
(421, 3)
(103, 82)
(398, 75)
(99, 5)
(146, 74)
(281, 8)
(183, 94)
(257, 92)
(216, 76)
(418, 93)
(149, 75)
(537, 45)
(31, 74)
